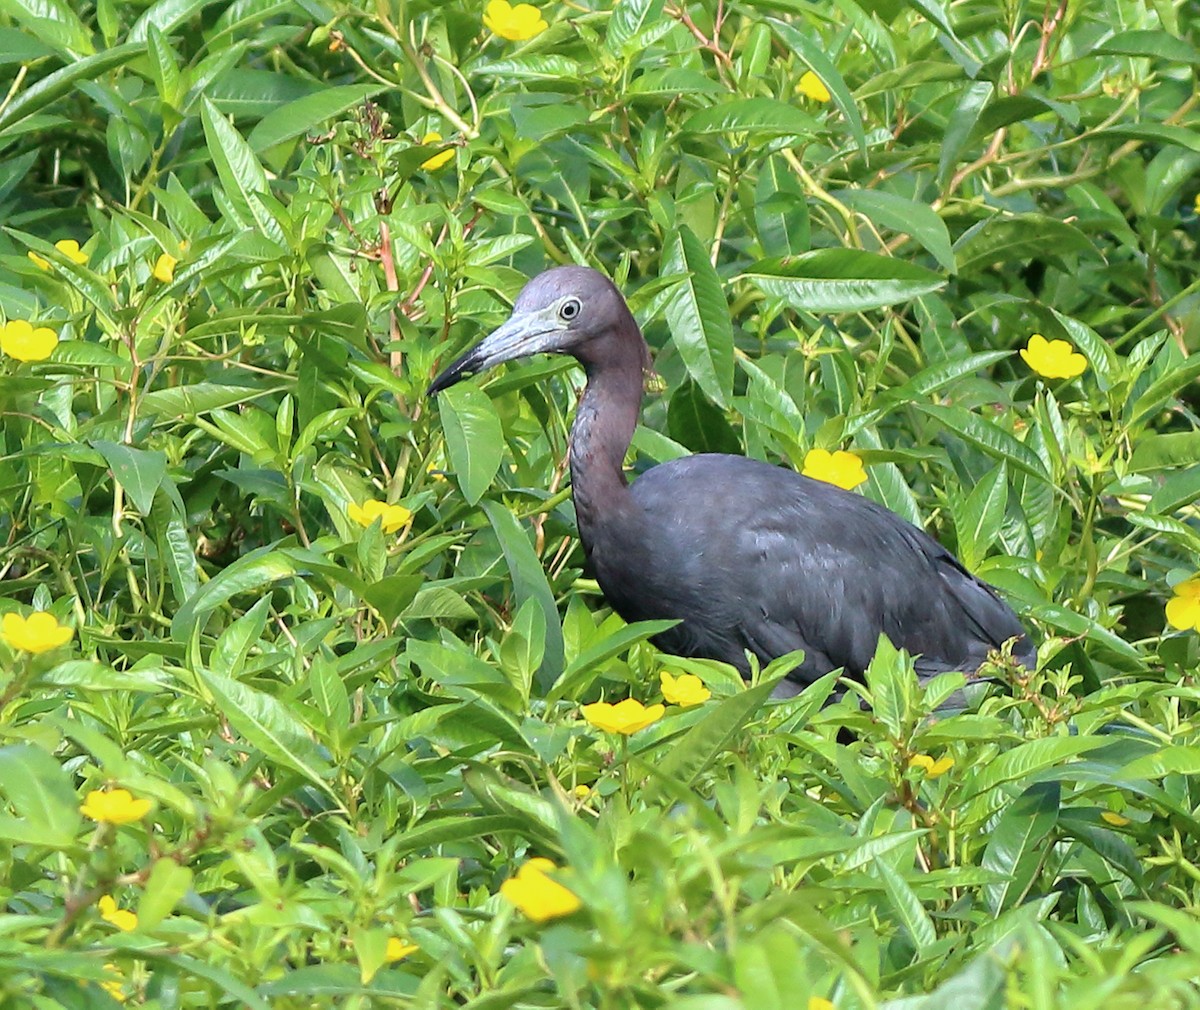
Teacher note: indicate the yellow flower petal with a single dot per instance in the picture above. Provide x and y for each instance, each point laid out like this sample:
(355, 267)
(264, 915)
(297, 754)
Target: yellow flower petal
(114, 806)
(39, 632)
(114, 986)
(439, 159)
(820, 1003)
(687, 689)
(398, 949)
(536, 895)
(19, 339)
(1113, 818)
(391, 517)
(811, 86)
(122, 918)
(1053, 359)
(625, 717)
(841, 468)
(70, 248)
(1183, 609)
(517, 24)
(164, 268)
(933, 769)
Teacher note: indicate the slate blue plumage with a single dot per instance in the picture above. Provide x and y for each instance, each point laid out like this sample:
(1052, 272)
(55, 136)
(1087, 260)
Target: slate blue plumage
(748, 556)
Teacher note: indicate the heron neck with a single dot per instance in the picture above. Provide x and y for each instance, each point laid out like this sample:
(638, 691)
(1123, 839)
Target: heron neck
(604, 422)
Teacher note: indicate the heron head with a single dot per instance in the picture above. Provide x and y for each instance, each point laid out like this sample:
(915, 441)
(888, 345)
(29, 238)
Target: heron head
(565, 310)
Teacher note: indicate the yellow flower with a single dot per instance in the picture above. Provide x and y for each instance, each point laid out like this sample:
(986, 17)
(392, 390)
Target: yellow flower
(687, 689)
(392, 517)
(625, 717)
(68, 247)
(819, 1003)
(1113, 818)
(841, 468)
(582, 792)
(535, 894)
(114, 986)
(1183, 611)
(164, 268)
(933, 769)
(435, 472)
(114, 806)
(19, 339)
(439, 159)
(811, 86)
(398, 950)
(1053, 359)
(513, 23)
(122, 918)
(39, 632)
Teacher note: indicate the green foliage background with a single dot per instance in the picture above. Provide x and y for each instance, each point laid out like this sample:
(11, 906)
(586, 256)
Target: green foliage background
(351, 736)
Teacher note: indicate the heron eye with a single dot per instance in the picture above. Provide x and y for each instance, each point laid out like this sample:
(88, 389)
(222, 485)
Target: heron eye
(569, 309)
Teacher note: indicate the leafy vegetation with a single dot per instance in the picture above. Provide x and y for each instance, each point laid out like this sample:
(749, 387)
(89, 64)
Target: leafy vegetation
(294, 744)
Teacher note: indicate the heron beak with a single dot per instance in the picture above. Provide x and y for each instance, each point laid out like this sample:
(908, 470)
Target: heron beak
(524, 334)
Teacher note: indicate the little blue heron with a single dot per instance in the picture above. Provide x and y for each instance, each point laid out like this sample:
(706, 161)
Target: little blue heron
(747, 556)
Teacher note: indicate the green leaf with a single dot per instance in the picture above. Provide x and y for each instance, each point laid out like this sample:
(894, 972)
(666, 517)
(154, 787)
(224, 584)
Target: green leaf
(392, 594)
(474, 438)
(1153, 133)
(764, 117)
(168, 884)
(40, 792)
(1156, 396)
(906, 216)
(557, 69)
(1161, 452)
(814, 55)
(841, 280)
(1017, 844)
(89, 675)
(1028, 759)
(243, 179)
(54, 86)
(269, 726)
(587, 666)
(529, 582)
(693, 421)
(306, 114)
(700, 745)
(989, 437)
(1176, 759)
(1102, 358)
(780, 211)
(978, 516)
(54, 23)
(1151, 43)
(250, 573)
(185, 402)
(138, 471)
(628, 20)
(698, 316)
(1178, 490)
(1003, 239)
(961, 127)
(909, 910)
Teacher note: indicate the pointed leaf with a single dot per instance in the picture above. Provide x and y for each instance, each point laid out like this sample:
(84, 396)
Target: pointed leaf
(699, 317)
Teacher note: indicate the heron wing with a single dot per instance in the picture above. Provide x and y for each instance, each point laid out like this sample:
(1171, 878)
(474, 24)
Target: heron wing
(757, 557)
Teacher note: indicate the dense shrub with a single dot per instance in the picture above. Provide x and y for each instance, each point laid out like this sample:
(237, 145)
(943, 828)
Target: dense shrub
(340, 734)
